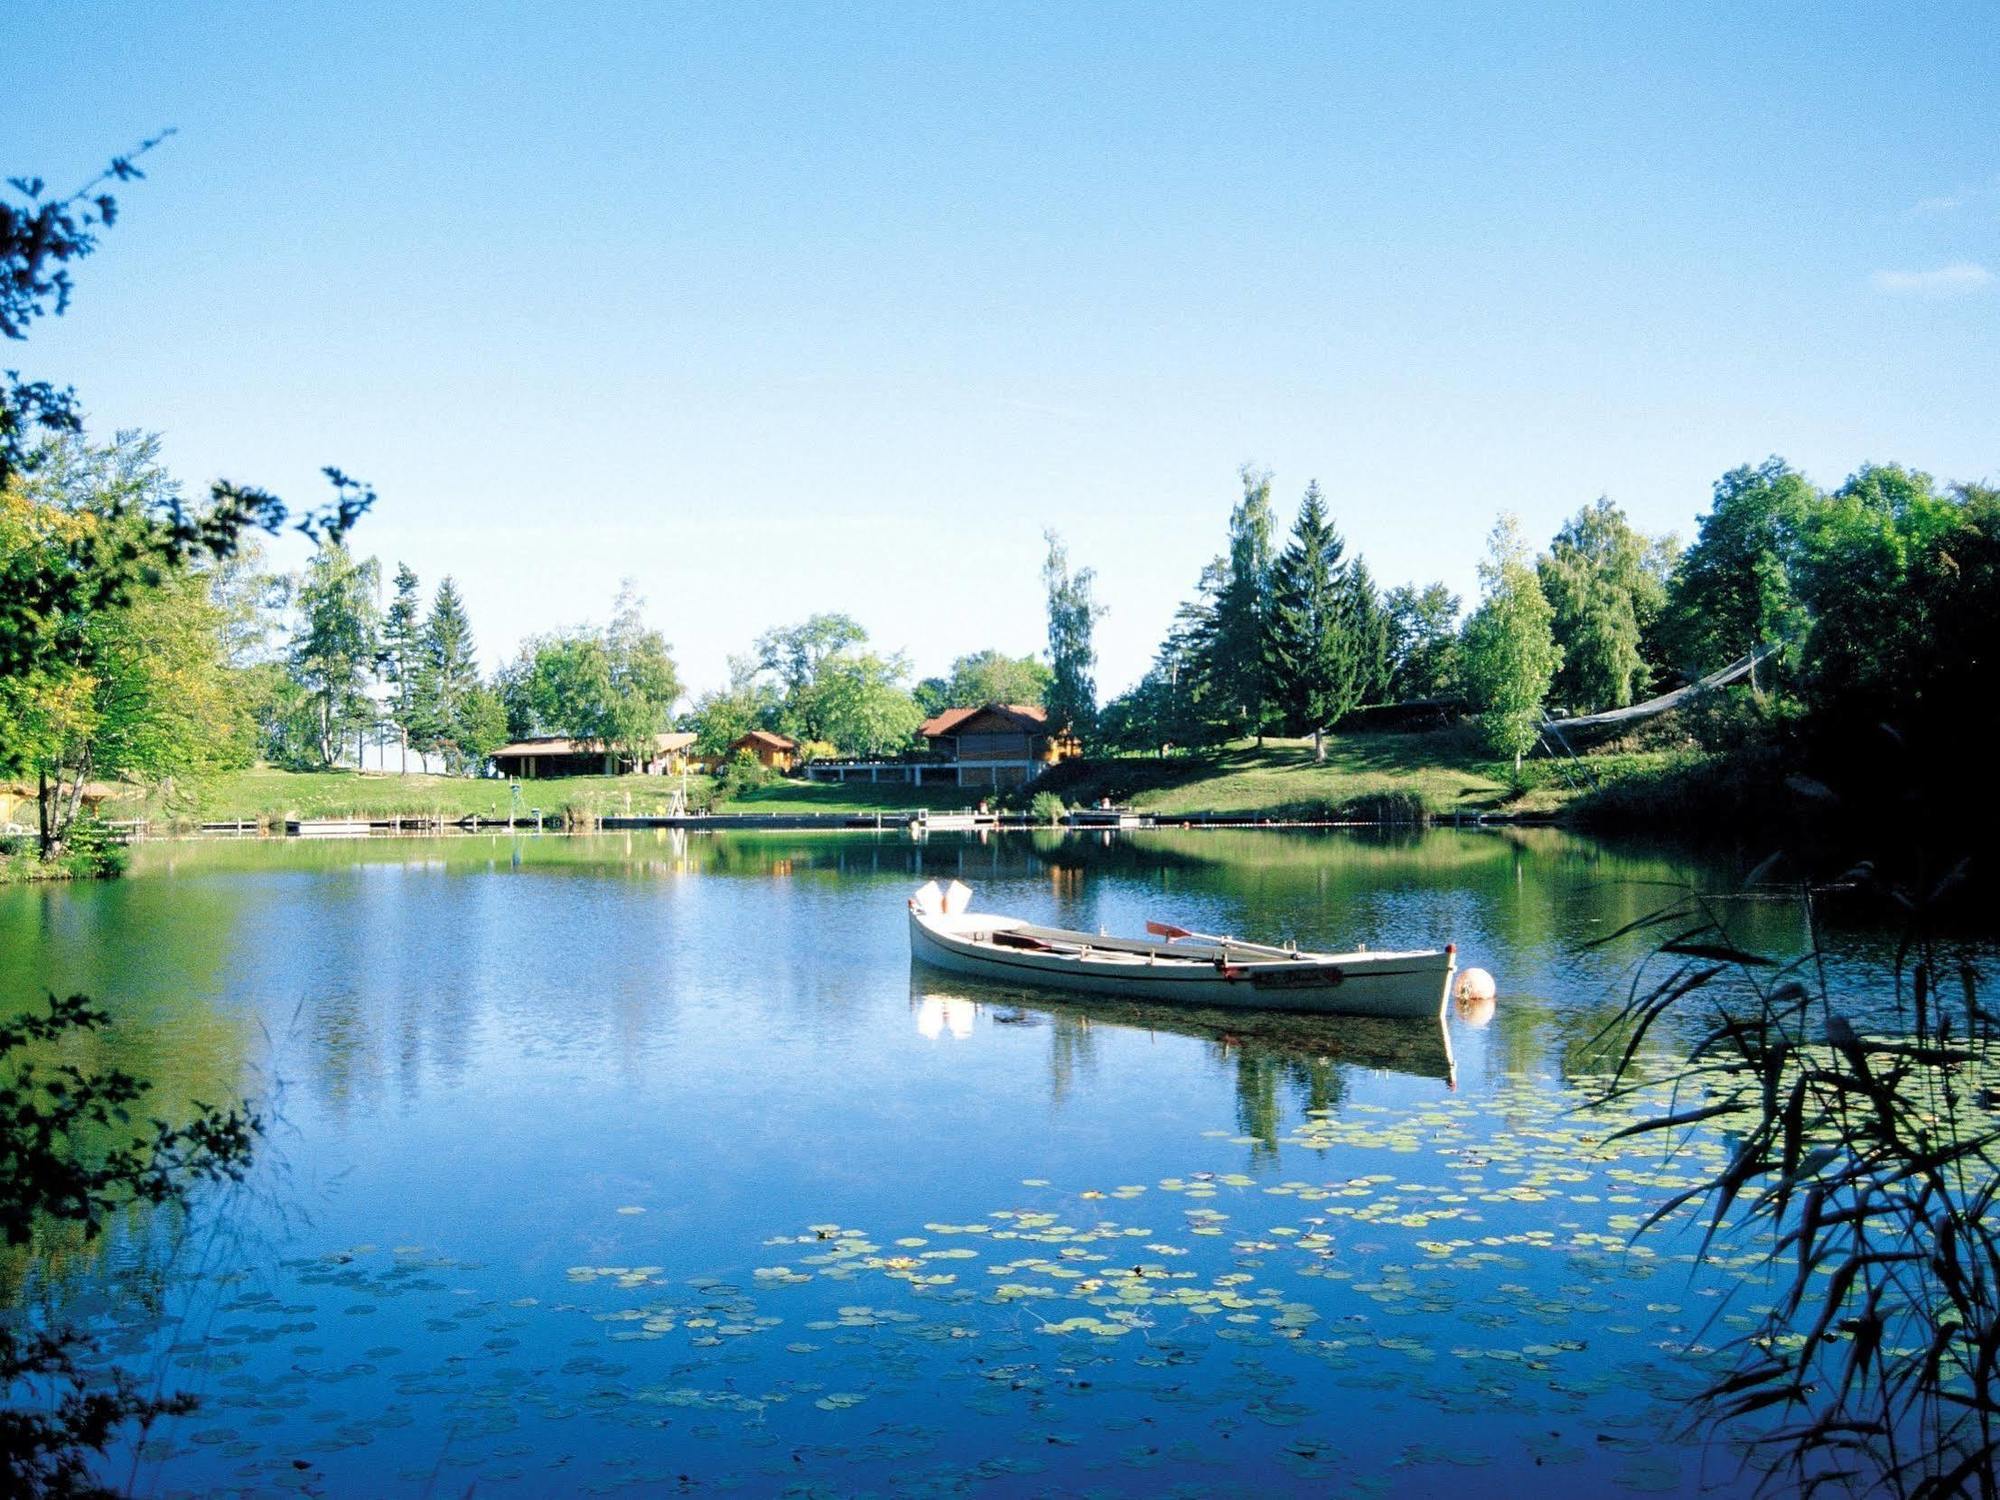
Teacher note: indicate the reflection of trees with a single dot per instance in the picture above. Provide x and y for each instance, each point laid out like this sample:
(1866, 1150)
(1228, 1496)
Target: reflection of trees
(1072, 1055)
(1262, 1076)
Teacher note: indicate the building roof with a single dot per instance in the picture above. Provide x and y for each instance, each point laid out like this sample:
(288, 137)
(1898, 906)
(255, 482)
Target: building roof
(764, 737)
(1029, 717)
(556, 744)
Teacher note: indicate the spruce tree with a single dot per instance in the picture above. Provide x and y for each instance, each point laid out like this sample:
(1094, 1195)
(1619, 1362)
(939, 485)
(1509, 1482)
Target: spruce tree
(450, 676)
(1232, 655)
(1309, 645)
(402, 657)
(1367, 622)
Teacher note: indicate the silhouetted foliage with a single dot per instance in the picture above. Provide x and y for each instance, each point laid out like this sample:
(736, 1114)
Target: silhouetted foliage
(1870, 1162)
(70, 1155)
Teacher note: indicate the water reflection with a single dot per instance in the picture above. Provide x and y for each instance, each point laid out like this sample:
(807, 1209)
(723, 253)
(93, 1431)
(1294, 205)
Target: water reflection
(1276, 1059)
(662, 1049)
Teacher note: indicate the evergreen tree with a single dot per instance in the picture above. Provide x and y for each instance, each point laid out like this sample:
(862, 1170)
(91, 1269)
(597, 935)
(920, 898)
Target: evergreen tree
(403, 659)
(1367, 621)
(449, 677)
(1071, 699)
(1509, 650)
(334, 651)
(1310, 650)
(1233, 652)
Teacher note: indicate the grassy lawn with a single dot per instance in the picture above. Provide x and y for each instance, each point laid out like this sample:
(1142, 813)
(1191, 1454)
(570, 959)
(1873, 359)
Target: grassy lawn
(1364, 775)
(273, 795)
(1444, 771)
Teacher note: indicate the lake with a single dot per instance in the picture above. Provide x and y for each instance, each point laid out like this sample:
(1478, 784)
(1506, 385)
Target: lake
(647, 1163)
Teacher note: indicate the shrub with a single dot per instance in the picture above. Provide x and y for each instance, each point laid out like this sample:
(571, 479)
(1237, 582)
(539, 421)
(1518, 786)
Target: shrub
(1046, 807)
(741, 774)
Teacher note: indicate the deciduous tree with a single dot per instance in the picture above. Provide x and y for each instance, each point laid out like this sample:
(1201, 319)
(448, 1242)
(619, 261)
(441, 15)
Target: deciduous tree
(1232, 653)
(1733, 589)
(336, 644)
(1071, 698)
(1509, 651)
(1423, 642)
(994, 677)
(1605, 584)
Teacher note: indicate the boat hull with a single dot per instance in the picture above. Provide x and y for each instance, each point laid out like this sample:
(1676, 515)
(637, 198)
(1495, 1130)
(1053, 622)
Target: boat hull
(1401, 985)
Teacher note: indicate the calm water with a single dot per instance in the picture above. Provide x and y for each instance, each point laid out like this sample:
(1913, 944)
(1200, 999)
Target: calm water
(648, 1163)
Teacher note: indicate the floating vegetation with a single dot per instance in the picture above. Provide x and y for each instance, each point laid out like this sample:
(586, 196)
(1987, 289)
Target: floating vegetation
(1471, 1255)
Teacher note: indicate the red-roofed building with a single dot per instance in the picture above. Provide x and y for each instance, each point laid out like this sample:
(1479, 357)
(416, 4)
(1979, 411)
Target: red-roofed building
(998, 744)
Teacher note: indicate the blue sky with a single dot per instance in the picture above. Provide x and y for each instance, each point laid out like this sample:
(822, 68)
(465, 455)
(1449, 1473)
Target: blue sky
(784, 308)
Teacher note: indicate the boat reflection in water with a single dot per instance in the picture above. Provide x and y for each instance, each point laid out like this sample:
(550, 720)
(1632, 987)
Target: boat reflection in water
(942, 1002)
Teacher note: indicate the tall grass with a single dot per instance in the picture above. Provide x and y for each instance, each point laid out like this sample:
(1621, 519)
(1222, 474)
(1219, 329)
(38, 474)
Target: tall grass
(1872, 1160)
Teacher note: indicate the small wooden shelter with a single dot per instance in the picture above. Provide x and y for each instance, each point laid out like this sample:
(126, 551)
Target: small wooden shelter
(773, 751)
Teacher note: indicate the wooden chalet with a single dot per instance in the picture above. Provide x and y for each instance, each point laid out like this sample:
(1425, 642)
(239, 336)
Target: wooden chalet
(998, 744)
(773, 751)
(555, 755)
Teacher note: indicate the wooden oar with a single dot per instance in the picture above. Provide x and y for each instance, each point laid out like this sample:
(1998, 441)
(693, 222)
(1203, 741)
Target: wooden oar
(1173, 934)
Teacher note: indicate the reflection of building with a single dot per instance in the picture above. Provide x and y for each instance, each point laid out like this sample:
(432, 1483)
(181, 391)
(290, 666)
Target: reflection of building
(555, 755)
(937, 1014)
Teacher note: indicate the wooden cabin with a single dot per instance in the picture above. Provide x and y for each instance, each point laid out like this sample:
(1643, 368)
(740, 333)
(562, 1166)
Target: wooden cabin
(556, 755)
(20, 801)
(773, 751)
(998, 744)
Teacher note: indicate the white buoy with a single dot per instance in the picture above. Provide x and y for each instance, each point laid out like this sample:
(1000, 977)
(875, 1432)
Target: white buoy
(1475, 984)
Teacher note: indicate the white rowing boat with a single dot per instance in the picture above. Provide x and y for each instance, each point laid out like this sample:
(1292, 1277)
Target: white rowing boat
(1176, 965)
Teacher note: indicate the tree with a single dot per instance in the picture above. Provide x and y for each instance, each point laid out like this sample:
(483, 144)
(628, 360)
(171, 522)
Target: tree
(482, 726)
(39, 237)
(994, 677)
(134, 684)
(403, 661)
(1373, 632)
(615, 687)
(1877, 575)
(1733, 589)
(336, 644)
(1232, 654)
(644, 683)
(1605, 583)
(1165, 708)
(722, 716)
(447, 679)
(1310, 647)
(1423, 642)
(856, 702)
(794, 652)
(1509, 651)
(557, 684)
(1071, 697)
